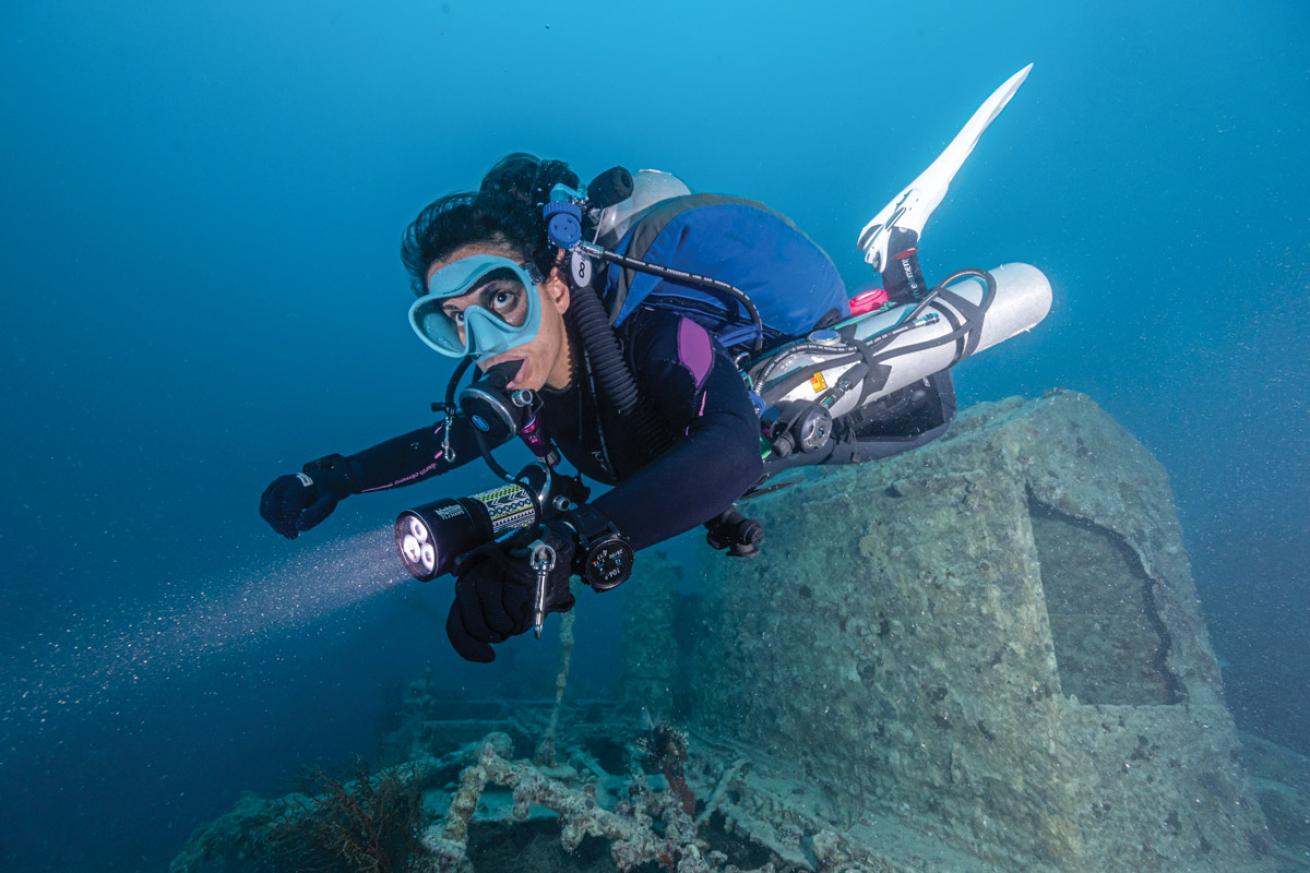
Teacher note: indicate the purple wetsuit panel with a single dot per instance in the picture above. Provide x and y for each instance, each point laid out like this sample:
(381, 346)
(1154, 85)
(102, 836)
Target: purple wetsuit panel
(695, 350)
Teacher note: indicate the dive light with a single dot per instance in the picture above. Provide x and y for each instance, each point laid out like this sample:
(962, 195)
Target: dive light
(432, 536)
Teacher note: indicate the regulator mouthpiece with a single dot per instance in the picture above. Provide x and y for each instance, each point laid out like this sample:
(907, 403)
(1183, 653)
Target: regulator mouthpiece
(490, 405)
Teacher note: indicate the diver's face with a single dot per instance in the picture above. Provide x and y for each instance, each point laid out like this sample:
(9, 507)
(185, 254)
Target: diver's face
(545, 358)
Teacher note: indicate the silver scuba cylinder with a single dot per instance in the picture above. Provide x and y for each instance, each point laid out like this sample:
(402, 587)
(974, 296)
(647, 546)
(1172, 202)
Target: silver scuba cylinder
(649, 187)
(894, 350)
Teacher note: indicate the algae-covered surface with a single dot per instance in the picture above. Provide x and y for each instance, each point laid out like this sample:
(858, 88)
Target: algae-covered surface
(985, 655)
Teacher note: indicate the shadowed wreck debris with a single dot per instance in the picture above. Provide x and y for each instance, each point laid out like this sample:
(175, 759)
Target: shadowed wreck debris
(985, 655)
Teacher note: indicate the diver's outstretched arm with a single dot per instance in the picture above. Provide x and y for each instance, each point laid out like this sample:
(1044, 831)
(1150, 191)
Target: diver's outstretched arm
(412, 457)
(295, 503)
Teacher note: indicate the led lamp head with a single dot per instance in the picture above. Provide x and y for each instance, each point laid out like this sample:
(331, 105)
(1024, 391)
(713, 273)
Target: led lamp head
(417, 544)
(432, 537)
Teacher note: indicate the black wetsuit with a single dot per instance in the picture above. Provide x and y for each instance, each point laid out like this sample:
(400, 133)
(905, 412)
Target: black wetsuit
(709, 449)
(691, 387)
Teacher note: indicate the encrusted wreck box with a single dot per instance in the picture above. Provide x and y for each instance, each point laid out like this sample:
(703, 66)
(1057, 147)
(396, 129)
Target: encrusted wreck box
(994, 643)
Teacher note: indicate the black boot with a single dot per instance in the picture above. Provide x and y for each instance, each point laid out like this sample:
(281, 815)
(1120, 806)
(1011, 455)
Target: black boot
(902, 278)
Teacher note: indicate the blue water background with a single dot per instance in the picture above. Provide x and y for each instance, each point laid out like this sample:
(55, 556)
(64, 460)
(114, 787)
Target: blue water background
(202, 205)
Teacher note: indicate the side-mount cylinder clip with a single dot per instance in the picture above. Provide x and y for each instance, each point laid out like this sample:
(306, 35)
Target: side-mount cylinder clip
(731, 530)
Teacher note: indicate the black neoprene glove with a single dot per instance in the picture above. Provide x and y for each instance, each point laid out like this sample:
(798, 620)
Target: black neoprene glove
(496, 587)
(293, 504)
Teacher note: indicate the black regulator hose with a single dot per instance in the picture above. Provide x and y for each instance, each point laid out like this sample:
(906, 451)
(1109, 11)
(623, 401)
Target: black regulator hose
(603, 349)
(984, 276)
(608, 366)
(448, 404)
(683, 277)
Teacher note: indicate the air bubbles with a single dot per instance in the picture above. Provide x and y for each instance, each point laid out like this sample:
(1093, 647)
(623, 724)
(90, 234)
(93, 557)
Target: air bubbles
(89, 662)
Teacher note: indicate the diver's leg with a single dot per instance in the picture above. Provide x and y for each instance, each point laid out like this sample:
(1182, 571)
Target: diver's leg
(903, 420)
(902, 278)
(910, 209)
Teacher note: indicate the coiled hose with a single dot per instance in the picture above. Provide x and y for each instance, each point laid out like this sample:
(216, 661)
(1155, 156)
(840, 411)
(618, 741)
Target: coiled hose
(603, 350)
(610, 369)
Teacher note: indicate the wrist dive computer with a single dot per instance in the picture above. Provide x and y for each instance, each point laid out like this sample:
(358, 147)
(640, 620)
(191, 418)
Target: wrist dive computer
(604, 557)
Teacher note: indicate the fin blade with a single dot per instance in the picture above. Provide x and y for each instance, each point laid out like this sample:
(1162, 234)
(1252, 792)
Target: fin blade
(921, 197)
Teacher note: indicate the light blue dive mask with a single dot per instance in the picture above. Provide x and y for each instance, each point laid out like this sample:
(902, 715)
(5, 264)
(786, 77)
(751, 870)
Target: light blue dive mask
(486, 332)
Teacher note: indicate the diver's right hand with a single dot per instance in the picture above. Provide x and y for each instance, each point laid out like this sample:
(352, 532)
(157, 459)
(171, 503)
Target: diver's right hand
(295, 503)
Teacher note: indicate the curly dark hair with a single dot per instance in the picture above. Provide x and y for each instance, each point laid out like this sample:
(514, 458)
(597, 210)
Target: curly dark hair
(527, 177)
(458, 220)
(505, 212)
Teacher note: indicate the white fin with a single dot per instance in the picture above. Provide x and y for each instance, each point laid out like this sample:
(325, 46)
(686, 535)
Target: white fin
(910, 208)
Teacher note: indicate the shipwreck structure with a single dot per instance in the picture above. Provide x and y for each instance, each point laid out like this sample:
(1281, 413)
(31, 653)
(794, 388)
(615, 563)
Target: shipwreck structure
(986, 655)
(989, 650)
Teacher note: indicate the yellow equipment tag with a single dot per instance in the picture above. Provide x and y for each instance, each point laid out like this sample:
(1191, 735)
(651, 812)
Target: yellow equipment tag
(818, 383)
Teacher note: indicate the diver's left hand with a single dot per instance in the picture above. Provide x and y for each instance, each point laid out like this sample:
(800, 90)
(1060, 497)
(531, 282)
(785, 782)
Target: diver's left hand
(496, 588)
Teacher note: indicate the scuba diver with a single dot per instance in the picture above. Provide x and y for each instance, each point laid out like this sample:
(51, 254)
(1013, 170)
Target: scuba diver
(678, 347)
